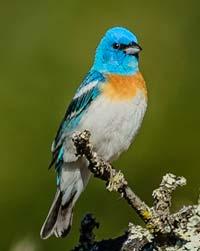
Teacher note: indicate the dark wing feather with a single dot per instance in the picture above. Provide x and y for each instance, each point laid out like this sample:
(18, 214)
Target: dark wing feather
(74, 113)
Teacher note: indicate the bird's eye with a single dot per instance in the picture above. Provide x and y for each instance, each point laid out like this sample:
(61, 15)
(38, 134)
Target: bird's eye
(116, 46)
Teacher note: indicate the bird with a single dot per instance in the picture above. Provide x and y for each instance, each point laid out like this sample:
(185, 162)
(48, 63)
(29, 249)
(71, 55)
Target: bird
(110, 102)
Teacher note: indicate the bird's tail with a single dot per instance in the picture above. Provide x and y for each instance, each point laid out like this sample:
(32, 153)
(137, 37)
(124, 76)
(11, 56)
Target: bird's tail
(59, 218)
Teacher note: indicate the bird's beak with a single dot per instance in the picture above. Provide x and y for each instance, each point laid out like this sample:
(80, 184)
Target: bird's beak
(133, 49)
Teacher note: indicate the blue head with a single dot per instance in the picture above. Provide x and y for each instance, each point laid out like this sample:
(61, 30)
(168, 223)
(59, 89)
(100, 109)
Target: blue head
(117, 52)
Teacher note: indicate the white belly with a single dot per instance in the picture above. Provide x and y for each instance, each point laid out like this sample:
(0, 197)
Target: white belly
(113, 125)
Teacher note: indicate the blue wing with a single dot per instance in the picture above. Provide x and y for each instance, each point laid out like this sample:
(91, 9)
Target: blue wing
(86, 93)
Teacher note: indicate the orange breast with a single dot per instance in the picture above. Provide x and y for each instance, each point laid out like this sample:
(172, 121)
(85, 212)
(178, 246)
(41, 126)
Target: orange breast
(119, 87)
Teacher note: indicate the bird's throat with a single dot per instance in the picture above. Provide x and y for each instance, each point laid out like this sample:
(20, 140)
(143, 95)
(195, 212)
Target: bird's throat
(121, 87)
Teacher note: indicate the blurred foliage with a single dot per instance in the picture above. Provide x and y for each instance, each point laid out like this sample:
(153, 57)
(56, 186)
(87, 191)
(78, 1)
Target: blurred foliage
(46, 48)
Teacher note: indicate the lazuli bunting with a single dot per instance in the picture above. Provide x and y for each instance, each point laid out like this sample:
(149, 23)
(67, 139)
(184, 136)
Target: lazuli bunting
(110, 102)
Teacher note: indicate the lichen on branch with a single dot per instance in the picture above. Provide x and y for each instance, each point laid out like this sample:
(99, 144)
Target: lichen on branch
(163, 231)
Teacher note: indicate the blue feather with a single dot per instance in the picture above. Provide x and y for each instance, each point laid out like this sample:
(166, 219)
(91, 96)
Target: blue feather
(111, 60)
(75, 111)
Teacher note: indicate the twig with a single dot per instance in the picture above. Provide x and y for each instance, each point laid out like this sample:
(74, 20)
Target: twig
(163, 230)
(115, 180)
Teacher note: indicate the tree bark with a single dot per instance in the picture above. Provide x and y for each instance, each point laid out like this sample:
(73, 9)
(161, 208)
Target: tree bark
(163, 231)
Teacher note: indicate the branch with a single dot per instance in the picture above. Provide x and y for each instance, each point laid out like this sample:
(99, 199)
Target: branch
(162, 230)
(115, 180)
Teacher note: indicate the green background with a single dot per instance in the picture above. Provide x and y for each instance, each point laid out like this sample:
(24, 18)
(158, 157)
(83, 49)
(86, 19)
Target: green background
(45, 50)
